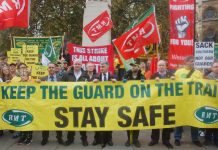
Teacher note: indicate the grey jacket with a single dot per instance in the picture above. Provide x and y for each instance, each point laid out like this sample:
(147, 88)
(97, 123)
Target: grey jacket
(212, 76)
(45, 78)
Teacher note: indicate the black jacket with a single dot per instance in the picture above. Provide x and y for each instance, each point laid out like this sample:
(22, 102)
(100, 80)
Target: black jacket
(128, 75)
(70, 77)
(110, 76)
(168, 75)
(45, 78)
(94, 76)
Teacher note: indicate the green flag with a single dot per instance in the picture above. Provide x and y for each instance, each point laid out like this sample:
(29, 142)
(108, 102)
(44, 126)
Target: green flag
(216, 51)
(44, 43)
(49, 54)
(141, 18)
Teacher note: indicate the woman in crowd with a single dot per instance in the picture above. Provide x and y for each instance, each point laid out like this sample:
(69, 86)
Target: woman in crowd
(20, 68)
(5, 76)
(145, 70)
(1, 131)
(26, 136)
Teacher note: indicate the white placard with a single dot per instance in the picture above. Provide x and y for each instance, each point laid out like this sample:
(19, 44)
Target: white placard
(204, 54)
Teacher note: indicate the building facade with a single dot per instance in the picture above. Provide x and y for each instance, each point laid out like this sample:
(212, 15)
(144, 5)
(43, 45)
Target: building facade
(207, 20)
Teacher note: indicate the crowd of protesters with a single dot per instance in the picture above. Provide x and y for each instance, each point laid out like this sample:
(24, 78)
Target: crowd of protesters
(62, 72)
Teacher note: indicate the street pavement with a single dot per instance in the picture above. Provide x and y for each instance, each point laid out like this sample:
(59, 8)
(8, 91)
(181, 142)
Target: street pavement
(119, 138)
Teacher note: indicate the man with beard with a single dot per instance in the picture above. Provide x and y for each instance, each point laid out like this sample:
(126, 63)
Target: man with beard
(188, 71)
(133, 74)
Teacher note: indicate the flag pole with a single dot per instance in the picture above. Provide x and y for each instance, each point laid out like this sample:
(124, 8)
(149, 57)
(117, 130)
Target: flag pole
(27, 29)
(63, 42)
(157, 51)
(131, 137)
(10, 36)
(27, 39)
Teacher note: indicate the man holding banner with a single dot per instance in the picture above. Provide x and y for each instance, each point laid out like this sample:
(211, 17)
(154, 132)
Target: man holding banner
(52, 77)
(155, 134)
(213, 132)
(133, 74)
(188, 72)
(75, 74)
(104, 136)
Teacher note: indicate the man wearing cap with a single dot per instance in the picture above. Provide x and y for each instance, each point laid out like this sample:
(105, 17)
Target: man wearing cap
(75, 74)
(188, 71)
(133, 74)
(212, 133)
(104, 137)
(65, 65)
(58, 69)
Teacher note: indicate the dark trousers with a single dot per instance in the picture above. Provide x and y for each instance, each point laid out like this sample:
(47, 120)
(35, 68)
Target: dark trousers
(135, 135)
(103, 136)
(1, 132)
(71, 134)
(155, 135)
(212, 133)
(27, 134)
(45, 134)
(178, 133)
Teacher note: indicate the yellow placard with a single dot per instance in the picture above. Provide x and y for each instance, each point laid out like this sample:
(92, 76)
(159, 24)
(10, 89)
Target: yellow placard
(8, 53)
(16, 51)
(9, 60)
(21, 58)
(103, 106)
(39, 71)
(14, 59)
(30, 49)
(31, 59)
(30, 62)
(15, 55)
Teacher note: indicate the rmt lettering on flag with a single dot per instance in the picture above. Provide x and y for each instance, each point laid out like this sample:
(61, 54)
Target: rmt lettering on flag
(99, 26)
(14, 13)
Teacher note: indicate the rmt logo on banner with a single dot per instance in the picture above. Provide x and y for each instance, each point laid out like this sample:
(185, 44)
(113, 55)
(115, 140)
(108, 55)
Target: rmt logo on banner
(9, 5)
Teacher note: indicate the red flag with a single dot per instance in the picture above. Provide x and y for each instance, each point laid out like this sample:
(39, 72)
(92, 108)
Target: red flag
(182, 24)
(153, 66)
(14, 13)
(131, 44)
(99, 26)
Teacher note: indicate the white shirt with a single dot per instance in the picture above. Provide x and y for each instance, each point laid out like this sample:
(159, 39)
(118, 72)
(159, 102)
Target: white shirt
(102, 77)
(55, 78)
(1, 80)
(77, 74)
(162, 74)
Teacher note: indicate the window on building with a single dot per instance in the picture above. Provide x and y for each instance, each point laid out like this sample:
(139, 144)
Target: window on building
(210, 35)
(210, 12)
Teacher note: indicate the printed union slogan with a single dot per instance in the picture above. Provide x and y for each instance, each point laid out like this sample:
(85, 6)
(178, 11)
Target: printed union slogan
(104, 106)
